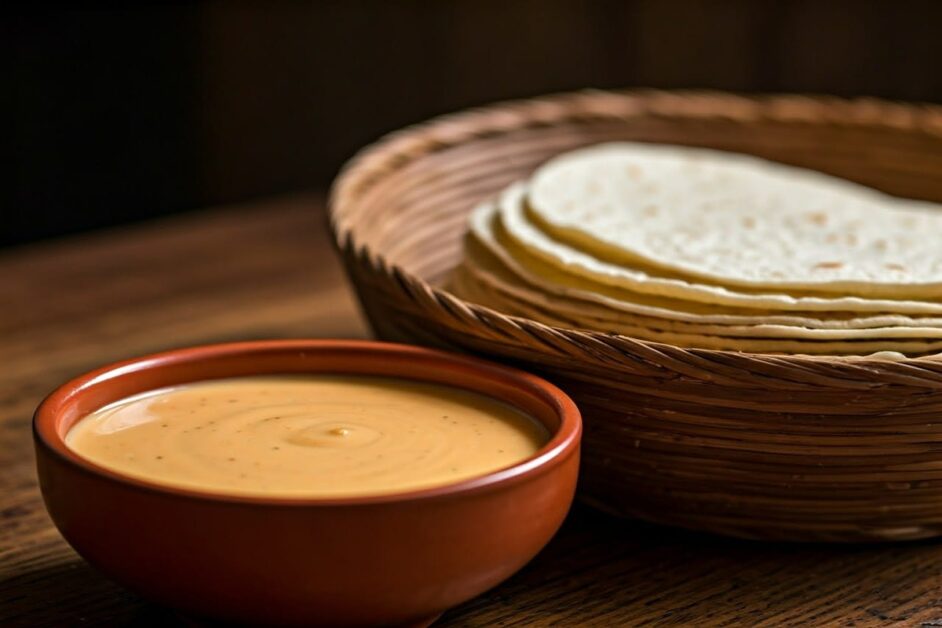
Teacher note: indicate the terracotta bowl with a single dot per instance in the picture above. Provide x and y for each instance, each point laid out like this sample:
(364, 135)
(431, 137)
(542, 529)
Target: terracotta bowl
(388, 560)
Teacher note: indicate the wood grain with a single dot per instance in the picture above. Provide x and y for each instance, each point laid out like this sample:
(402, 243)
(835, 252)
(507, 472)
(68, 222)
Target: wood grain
(267, 270)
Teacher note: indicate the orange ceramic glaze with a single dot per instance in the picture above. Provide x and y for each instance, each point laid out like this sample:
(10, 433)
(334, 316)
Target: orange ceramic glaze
(392, 559)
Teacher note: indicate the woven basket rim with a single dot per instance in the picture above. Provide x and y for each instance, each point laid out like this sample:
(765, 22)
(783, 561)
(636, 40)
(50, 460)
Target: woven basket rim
(396, 149)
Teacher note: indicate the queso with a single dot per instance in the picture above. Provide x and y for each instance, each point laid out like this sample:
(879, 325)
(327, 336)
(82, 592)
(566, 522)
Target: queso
(307, 436)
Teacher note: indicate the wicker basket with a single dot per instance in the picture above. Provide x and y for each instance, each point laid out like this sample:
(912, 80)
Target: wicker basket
(763, 446)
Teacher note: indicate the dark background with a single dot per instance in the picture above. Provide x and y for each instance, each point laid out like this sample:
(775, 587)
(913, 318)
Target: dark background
(115, 115)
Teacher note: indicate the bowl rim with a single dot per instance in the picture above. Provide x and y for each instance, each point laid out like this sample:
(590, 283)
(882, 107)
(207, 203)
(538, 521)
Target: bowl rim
(563, 443)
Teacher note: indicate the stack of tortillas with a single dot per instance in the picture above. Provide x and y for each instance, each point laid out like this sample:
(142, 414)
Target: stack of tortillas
(714, 250)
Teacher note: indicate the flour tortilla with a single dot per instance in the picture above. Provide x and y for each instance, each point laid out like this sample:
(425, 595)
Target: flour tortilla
(734, 220)
(486, 271)
(466, 287)
(486, 233)
(488, 275)
(527, 236)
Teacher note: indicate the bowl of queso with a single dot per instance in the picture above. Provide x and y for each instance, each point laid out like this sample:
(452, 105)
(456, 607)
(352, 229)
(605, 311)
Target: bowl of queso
(308, 482)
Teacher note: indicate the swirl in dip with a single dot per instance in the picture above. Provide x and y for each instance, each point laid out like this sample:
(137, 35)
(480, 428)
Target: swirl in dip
(307, 435)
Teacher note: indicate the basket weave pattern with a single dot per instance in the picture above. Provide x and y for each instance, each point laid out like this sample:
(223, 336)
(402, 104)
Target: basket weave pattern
(763, 446)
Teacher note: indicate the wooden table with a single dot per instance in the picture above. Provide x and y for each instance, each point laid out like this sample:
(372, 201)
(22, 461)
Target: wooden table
(266, 270)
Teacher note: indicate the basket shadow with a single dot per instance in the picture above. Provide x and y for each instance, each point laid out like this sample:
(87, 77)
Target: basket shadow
(605, 571)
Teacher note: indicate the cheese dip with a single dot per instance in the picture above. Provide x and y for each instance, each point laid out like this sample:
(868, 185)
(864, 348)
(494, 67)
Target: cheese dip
(306, 435)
